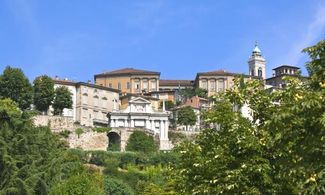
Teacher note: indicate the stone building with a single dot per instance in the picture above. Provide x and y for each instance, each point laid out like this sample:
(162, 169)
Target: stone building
(129, 80)
(277, 80)
(139, 115)
(91, 103)
(170, 85)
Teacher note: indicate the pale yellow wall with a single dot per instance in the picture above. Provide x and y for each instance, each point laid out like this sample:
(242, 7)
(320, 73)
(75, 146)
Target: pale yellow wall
(114, 82)
(228, 82)
(106, 81)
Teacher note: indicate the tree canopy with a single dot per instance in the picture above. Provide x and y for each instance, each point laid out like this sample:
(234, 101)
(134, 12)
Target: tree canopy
(15, 85)
(186, 116)
(62, 100)
(43, 92)
(139, 141)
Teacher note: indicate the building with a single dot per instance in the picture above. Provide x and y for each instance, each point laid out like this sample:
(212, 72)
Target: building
(91, 103)
(218, 81)
(277, 80)
(257, 63)
(129, 80)
(175, 84)
(139, 115)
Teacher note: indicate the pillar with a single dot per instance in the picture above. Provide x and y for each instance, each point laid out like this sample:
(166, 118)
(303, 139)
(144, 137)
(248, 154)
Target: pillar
(132, 123)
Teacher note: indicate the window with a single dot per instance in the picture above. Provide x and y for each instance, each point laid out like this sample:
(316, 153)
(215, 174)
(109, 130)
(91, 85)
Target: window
(153, 85)
(119, 85)
(110, 85)
(137, 86)
(204, 84)
(221, 85)
(145, 85)
(212, 85)
(104, 100)
(260, 72)
(96, 99)
(128, 85)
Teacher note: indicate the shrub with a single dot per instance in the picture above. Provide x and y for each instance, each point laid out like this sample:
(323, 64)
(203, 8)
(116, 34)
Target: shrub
(116, 187)
(65, 133)
(139, 141)
(98, 158)
(101, 129)
(79, 131)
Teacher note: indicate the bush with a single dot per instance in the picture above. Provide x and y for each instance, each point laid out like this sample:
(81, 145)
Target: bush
(83, 184)
(164, 159)
(79, 131)
(139, 141)
(112, 165)
(116, 187)
(101, 129)
(98, 157)
(65, 133)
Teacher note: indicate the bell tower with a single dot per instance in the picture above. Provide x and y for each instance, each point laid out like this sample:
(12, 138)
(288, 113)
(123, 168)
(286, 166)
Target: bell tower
(257, 63)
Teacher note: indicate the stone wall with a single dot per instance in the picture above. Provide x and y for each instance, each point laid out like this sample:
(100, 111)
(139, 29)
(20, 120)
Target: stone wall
(56, 123)
(88, 140)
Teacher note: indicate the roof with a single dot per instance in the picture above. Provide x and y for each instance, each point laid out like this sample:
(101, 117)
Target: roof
(176, 82)
(256, 49)
(161, 91)
(286, 66)
(223, 73)
(287, 75)
(127, 72)
(77, 84)
(137, 95)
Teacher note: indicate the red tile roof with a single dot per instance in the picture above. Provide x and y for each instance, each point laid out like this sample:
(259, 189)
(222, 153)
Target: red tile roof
(128, 72)
(222, 73)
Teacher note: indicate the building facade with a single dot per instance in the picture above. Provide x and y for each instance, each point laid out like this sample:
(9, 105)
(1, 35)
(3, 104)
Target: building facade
(277, 80)
(129, 80)
(91, 103)
(140, 115)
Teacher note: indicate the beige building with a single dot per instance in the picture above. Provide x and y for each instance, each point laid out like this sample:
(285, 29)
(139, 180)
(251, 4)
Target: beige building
(217, 81)
(175, 84)
(129, 80)
(91, 103)
(277, 81)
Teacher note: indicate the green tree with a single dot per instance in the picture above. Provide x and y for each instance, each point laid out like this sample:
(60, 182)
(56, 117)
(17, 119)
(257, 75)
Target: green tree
(316, 67)
(168, 104)
(116, 187)
(62, 100)
(139, 141)
(15, 85)
(186, 116)
(32, 159)
(203, 93)
(279, 151)
(43, 92)
(82, 184)
(187, 93)
(79, 131)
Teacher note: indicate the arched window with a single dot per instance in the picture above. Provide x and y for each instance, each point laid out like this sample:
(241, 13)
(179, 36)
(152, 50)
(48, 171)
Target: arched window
(260, 72)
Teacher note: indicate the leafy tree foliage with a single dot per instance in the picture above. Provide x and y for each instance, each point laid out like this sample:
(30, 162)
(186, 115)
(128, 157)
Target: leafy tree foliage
(279, 151)
(43, 92)
(117, 187)
(186, 116)
(79, 131)
(139, 141)
(188, 93)
(316, 67)
(203, 93)
(62, 100)
(168, 104)
(81, 184)
(15, 85)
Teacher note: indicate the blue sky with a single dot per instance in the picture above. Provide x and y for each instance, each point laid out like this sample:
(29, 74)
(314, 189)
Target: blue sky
(76, 39)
